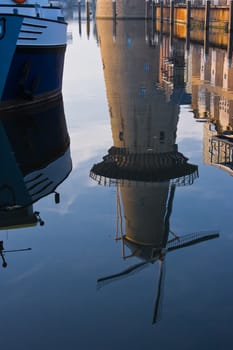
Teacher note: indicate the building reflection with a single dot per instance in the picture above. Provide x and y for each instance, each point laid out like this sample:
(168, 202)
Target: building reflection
(145, 87)
(35, 158)
(212, 102)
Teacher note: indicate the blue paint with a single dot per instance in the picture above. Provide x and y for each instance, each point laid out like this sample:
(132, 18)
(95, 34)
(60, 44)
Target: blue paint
(34, 71)
(12, 187)
(10, 27)
(26, 127)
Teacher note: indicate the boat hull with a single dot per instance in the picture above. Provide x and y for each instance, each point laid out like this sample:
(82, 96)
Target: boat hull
(37, 143)
(35, 67)
(9, 32)
(35, 157)
(35, 72)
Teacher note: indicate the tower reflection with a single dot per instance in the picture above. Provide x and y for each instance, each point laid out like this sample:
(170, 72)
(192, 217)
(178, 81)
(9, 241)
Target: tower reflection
(35, 158)
(144, 86)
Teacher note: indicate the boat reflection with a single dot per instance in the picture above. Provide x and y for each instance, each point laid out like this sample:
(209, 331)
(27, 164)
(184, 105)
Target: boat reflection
(35, 158)
(145, 87)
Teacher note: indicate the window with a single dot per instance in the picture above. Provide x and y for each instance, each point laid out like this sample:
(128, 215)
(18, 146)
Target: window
(161, 136)
(142, 91)
(129, 42)
(146, 67)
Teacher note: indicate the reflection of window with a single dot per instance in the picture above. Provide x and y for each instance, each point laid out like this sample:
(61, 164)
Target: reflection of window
(121, 136)
(146, 67)
(142, 91)
(212, 127)
(129, 42)
(161, 136)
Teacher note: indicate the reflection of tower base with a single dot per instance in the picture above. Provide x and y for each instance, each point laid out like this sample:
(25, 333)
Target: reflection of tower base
(122, 165)
(143, 251)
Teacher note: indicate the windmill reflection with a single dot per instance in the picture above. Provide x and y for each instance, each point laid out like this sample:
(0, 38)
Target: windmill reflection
(143, 226)
(35, 155)
(144, 164)
(144, 210)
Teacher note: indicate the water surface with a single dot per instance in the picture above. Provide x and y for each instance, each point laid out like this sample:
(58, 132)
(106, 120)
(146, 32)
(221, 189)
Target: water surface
(162, 116)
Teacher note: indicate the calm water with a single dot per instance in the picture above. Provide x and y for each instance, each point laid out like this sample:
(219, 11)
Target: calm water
(166, 117)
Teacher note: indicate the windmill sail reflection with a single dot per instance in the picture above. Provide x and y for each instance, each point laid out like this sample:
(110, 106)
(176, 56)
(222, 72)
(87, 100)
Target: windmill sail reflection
(147, 232)
(144, 163)
(35, 158)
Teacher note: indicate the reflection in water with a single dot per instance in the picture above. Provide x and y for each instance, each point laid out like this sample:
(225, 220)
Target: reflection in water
(36, 157)
(145, 86)
(143, 106)
(3, 252)
(212, 102)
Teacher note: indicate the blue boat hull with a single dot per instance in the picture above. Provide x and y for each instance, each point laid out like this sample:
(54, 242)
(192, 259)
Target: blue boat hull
(35, 72)
(9, 32)
(37, 133)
